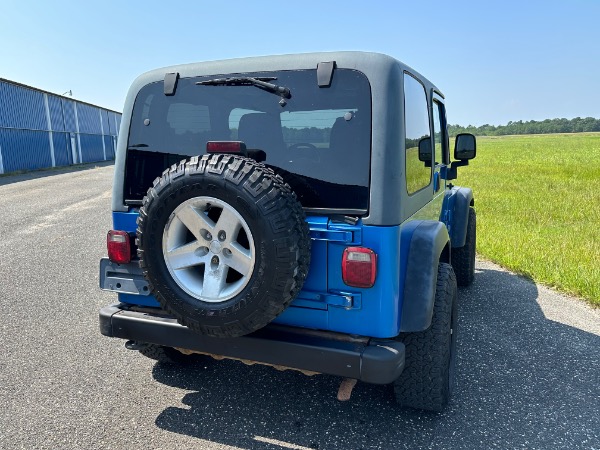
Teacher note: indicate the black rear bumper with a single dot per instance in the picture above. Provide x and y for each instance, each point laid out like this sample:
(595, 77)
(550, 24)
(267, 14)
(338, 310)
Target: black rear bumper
(368, 360)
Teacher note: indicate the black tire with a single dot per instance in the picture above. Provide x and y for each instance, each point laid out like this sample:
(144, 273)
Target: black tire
(277, 228)
(168, 355)
(463, 258)
(428, 377)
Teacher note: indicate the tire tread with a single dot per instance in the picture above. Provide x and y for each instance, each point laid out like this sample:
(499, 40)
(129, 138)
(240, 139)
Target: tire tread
(463, 258)
(425, 383)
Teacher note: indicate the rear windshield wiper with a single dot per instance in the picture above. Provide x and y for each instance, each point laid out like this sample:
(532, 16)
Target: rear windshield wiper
(259, 82)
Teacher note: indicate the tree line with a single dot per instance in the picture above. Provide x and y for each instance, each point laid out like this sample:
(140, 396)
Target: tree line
(308, 134)
(548, 126)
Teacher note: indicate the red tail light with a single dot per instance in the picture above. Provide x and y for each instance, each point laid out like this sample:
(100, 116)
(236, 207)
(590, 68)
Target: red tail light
(226, 147)
(119, 246)
(359, 267)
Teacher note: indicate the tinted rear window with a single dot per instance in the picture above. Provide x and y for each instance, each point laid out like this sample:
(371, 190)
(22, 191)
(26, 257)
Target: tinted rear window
(319, 141)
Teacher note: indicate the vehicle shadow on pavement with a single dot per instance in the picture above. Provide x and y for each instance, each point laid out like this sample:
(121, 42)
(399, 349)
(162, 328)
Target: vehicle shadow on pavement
(11, 178)
(523, 381)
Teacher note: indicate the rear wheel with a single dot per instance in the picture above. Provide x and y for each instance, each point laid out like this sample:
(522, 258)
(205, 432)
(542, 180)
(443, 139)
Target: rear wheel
(427, 380)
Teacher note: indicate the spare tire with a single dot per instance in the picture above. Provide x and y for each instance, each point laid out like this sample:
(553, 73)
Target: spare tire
(223, 243)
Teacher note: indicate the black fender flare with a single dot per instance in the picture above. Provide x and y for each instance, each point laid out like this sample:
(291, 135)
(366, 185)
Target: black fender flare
(463, 200)
(429, 244)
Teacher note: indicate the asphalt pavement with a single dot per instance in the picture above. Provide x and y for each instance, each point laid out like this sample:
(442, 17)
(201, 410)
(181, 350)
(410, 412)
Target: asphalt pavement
(528, 372)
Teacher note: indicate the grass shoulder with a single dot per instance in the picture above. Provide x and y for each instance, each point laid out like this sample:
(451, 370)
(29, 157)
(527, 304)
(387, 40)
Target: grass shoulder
(537, 200)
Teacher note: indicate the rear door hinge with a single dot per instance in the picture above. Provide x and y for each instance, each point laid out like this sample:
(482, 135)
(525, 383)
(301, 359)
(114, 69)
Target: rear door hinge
(336, 232)
(347, 300)
(331, 235)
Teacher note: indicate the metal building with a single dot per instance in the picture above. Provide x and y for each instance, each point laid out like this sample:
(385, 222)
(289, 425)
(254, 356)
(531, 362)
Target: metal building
(39, 129)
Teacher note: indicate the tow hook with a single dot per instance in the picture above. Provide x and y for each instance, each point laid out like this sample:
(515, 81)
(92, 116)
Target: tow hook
(135, 345)
(345, 390)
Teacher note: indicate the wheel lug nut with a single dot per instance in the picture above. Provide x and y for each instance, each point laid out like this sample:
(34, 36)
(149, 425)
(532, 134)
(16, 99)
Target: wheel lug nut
(222, 235)
(208, 236)
(214, 260)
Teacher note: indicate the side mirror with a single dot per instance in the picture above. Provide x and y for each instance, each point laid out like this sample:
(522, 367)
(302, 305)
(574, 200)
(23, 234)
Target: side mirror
(465, 147)
(425, 151)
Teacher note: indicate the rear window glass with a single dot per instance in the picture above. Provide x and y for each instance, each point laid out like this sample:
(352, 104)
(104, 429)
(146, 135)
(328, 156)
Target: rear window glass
(187, 118)
(318, 141)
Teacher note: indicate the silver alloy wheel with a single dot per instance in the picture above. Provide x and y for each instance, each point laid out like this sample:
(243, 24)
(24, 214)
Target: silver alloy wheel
(208, 249)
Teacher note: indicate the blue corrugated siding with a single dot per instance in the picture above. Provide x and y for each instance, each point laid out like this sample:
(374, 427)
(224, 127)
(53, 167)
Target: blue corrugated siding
(69, 114)
(113, 123)
(24, 136)
(22, 108)
(62, 149)
(91, 148)
(89, 119)
(118, 118)
(24, 149)
(105, 124)
(57, 120)
(110, 151)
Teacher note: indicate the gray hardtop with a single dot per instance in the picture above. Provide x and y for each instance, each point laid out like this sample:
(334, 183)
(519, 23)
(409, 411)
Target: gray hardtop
(388, 202)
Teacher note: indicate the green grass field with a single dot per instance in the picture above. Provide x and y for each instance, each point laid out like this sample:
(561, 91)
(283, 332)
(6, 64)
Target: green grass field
(538, 207)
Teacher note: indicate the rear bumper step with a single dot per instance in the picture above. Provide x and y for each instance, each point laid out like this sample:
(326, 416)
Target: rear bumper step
(370, 360)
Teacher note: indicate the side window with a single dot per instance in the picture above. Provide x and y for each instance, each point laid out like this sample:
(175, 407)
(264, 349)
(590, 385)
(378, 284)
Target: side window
(416, 124)
(438, 136)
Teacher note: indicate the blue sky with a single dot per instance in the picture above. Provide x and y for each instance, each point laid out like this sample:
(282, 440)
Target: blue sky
(494, 61)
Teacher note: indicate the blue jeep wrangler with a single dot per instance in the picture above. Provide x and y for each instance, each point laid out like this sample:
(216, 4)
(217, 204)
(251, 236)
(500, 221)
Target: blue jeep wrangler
(294, 211)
